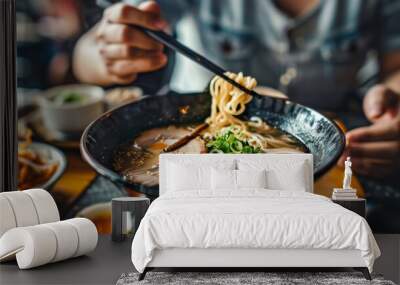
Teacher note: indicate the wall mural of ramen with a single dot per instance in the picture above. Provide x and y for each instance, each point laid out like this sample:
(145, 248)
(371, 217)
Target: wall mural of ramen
(124, 144)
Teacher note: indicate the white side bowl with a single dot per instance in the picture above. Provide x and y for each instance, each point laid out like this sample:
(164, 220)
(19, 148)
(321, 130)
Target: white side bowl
(94, 211)
(72, 117)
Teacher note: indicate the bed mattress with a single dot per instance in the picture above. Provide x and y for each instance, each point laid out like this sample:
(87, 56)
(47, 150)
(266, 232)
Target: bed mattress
(250, 219)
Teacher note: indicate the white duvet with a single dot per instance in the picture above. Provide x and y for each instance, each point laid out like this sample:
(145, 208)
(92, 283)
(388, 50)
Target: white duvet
(250, 219)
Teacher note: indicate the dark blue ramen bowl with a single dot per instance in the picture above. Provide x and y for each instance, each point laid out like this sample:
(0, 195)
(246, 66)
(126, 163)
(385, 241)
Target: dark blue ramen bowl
(322, 137)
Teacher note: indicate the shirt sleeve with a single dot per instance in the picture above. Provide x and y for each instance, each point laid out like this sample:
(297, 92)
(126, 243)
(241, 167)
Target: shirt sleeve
(389, 26)
(91, 13)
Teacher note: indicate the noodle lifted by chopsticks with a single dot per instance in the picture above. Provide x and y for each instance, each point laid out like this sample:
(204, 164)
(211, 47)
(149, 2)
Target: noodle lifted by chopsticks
(229, 102)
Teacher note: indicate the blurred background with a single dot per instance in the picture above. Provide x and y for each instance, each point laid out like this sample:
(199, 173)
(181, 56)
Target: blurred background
(47, 32)
(49, 155)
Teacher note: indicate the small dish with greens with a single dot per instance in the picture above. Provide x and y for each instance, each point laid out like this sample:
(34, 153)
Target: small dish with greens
(69, 97)
(70, 108)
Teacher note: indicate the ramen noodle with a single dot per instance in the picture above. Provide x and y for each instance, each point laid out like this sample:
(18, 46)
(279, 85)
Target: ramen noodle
(228, 102)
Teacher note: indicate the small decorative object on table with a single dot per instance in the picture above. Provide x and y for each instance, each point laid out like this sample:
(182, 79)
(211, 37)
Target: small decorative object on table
(127, 212)
(345, 193)
(347, 196)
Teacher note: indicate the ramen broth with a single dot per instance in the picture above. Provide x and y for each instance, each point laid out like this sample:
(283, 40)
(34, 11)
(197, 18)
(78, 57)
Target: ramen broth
(137, 160)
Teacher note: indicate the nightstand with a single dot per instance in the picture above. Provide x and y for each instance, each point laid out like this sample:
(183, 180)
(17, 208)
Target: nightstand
(356, 205)
(127, 212)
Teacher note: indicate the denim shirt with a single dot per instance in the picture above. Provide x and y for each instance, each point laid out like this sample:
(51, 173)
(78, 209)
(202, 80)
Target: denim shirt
(317, 59)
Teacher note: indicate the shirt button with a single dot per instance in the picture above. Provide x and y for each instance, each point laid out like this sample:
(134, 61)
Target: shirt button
(292, 72)
(326, 54)
(299, 41)
(226, 46)
(288, 76)
(351, 47)
(281, 48)
(284, 79)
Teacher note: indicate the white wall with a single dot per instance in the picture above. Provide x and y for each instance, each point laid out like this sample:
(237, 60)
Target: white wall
(389, 262)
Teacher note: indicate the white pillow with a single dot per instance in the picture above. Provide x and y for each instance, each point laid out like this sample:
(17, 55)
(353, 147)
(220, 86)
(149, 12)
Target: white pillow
(290, 179)
(251, 178)
(196, 176)
(286, 174)
(182, 177)
(223, 179)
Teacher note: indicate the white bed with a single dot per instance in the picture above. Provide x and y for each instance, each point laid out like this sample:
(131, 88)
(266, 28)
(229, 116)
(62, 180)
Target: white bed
(249, 227)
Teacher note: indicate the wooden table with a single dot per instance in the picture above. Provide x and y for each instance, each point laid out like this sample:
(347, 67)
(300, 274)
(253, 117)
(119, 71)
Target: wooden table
(72, 184)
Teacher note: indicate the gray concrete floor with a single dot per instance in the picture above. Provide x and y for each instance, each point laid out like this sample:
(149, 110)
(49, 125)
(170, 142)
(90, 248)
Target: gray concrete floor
(110, 259)
(102, 266)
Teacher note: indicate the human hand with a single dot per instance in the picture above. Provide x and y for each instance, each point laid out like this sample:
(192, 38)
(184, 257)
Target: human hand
(375, 149)
(125, 50)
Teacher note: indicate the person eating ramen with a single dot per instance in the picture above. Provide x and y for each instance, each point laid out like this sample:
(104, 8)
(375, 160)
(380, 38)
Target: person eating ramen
(317, 52)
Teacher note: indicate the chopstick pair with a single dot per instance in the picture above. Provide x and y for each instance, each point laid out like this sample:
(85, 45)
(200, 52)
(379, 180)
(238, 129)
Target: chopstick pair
(175, 45)
(184, 140)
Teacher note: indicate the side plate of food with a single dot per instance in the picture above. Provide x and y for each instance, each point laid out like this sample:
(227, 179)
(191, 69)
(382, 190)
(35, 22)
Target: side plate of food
(40, 165)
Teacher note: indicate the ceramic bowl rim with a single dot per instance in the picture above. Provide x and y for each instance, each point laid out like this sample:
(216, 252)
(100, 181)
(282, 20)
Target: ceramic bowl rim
(115, 177)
